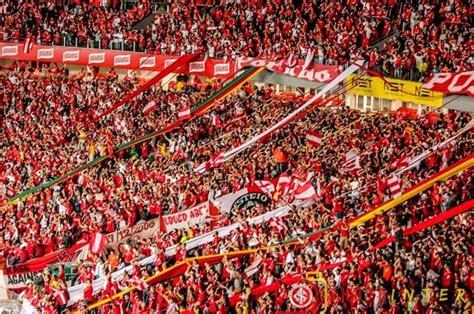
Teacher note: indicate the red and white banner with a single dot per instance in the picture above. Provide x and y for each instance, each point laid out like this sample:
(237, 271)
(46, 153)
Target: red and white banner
(142, 230)
(184, 113)
(181, 220)
(97, 242)
(18, 275)
(452, 83)
(112, 59)
(317, 73)
(246, 198)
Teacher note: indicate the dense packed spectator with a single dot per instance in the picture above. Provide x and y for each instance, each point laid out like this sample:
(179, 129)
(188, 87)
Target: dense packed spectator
(432, 36)
(130, 185)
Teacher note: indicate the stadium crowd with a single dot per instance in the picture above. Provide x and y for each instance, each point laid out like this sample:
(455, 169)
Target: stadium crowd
(53, 123)
(134, 187)
(430, 37)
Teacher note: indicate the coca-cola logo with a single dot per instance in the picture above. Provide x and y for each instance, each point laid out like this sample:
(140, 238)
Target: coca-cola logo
(9, 51)
(221, 68)
(97, 58)
(122, 60)
(71, 56)
(148, 62)
(197, 67)
(45, 53)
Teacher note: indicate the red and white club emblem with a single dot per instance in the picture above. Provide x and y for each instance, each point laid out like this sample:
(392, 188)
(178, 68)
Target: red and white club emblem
(301, 296)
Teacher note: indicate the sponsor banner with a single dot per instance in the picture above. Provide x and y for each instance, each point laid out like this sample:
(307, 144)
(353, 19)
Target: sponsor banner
(142, 230)
(393, 89)
(317, 73)
(71, 55)
(114, 59)
(181, 220)
(222, 68)
(8, 51)
(45, 53)
(197, 67)
(122, 60)
(452, 83)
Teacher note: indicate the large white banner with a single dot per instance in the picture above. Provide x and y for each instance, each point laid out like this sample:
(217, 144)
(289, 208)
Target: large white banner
(181, 220)
(246, 198)
(142, 230)
(76, 293)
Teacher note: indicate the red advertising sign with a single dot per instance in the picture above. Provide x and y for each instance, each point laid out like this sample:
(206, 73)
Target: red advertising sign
(452, 83)
(114, 59)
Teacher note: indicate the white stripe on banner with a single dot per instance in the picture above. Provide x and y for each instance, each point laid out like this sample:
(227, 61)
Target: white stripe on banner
(341, 77)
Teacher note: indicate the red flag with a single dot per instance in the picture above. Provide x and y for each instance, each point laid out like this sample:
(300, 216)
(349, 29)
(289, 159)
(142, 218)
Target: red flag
(97, 242)
(150, 107)
(216, 121)
(120, 125)
(184, 113)
(380, 186)
(314, 138)
(202, 168)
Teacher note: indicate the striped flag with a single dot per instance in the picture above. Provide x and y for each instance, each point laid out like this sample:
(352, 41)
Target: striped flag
(352, 161)
(139, 283)
(27, 45)
(394, 185)
(265, 186)
(184, 113)
(97, 242)
(254, 267)
(202, 168)
(305, 192)
(314, 138)
(150, 107)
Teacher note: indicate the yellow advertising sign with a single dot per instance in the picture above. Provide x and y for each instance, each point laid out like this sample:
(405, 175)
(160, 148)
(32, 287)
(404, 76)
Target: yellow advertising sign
(393, 89)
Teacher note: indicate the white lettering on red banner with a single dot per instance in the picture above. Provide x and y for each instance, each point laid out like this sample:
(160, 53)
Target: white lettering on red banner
(452, 83)
(169, 62)
(147, 62)
(9, 51)
(316, 73)
(71, 55)
(45, 53)
(122, 60)
(221, 68)
(181, 220)
(144, 230)
(97, 58)
(197, 67)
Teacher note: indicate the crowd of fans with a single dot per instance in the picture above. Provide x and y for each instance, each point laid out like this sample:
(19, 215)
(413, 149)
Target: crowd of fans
(158, 177)
(431, 36)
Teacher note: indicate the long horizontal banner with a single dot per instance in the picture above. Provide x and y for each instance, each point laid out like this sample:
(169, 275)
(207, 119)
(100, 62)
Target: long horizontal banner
(316, 73)
(114, 59)
(393, 89)
(452, 83)
(76, 292)
(154, 62)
